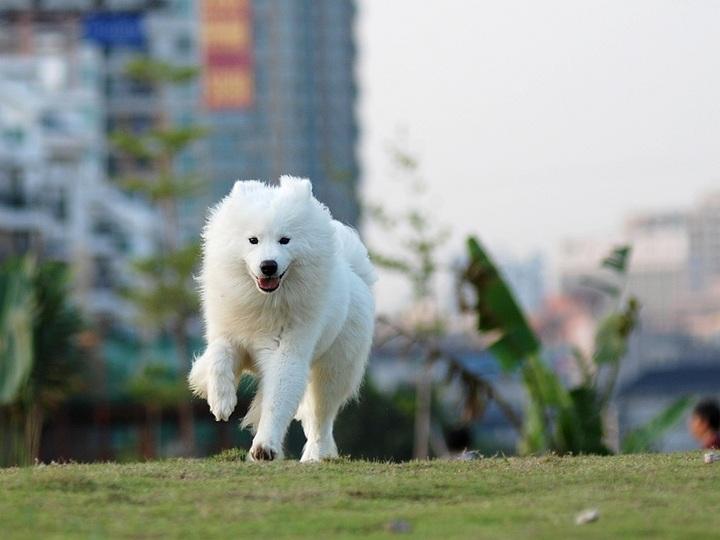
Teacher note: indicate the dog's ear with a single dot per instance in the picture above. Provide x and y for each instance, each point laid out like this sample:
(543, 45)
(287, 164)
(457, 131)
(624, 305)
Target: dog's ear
(244, 186)
(301, 186)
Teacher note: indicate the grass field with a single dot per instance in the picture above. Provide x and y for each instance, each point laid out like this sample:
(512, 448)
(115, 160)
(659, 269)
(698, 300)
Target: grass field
(647, 496)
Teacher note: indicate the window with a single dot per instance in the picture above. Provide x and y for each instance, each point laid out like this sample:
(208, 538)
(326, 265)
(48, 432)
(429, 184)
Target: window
(183, 45)
(12, 193)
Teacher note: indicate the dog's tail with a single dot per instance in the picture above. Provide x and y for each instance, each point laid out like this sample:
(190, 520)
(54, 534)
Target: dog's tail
(355, 252)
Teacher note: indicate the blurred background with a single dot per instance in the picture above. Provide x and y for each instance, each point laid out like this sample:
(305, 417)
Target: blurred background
(538, 182)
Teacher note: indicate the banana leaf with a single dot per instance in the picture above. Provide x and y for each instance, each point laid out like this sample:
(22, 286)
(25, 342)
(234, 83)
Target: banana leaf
(641, 439)
(618, 259)
(16, 328)
(558, 419)
(497, 311)
(580, 426)
(611, 338)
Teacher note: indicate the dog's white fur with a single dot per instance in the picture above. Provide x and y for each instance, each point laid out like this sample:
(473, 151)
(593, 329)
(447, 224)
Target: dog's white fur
(307, 341)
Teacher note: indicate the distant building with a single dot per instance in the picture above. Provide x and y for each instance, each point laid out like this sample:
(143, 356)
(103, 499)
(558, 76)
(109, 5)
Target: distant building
(675, 268)
(299, 118)
(659, 268)
(120, 30)
(578, 263)
(704, 238)
(54, 199)
(671, 267)
(296, 60)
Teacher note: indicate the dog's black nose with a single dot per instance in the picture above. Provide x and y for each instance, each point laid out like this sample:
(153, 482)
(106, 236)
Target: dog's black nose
(268, 268)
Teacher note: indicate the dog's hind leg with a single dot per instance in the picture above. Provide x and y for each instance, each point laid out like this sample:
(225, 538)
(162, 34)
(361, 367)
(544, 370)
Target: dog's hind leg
(335, 378)
(327, 390)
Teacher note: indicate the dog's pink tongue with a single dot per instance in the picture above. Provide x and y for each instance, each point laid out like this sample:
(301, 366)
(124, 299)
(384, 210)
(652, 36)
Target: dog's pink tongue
(269, 282)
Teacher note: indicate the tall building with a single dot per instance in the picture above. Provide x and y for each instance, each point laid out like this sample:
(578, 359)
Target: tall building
(120, 30)
(659, 266)
(54, 200)
(297, 60)
(704, 229)
(299, 116)
(674, 269)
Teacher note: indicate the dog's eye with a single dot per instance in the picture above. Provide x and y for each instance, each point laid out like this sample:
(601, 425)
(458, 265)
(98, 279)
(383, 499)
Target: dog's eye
(284, 240)
(253, 240)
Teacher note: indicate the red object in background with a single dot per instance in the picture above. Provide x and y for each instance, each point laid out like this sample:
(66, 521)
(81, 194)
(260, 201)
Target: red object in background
(713, 443)
(227, 54)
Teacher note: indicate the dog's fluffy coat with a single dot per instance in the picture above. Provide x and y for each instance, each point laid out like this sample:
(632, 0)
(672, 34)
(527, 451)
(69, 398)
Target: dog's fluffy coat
(308, 340)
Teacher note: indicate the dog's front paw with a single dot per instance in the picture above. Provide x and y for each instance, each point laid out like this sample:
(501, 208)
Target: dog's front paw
(198, 378)
(222, 398)
(264, 452)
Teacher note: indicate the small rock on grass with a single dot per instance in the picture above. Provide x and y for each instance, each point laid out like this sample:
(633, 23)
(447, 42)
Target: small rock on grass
(398, 526)
(711, 457)
(587, 516)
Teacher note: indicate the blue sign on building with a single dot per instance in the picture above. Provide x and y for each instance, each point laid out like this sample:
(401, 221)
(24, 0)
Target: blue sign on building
(115, 29)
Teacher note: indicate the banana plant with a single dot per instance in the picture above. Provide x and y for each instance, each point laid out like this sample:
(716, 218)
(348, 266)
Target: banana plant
(39, 360)
(16, 328)
(557, 418)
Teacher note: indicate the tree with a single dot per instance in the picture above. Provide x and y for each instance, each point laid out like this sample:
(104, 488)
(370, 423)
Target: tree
(416, 261)
(40, 359)
(164, 294)
(422, 331)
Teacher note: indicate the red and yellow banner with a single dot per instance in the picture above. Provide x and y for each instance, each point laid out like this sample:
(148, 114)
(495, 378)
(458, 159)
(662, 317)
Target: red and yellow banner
(227, 54)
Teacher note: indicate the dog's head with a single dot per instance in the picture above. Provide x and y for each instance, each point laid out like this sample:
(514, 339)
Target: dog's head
(266, 231)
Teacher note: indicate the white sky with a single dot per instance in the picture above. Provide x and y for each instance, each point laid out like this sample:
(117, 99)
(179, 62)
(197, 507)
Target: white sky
(541, 120)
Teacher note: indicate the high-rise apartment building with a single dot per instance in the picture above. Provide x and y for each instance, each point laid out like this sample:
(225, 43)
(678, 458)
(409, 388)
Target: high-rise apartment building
(674, 269)
(704, 228)
(300, 116)
(54, 200)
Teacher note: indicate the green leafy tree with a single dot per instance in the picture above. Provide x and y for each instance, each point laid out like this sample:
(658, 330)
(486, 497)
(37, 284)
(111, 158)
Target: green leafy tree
(422, 331)
(16, 314)
(41, 362)
(415, 260)
(165, 292)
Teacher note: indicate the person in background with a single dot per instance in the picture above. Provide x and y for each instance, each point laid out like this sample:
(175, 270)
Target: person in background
(705, 424)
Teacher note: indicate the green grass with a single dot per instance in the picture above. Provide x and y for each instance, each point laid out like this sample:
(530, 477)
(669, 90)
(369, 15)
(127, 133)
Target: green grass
(642, 496)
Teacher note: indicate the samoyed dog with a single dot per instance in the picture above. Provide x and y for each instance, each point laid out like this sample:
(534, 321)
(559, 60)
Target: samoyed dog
(286, 295)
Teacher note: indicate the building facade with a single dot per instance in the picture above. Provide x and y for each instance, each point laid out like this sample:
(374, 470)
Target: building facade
(301, 119)
(659, 270)
(54, 199)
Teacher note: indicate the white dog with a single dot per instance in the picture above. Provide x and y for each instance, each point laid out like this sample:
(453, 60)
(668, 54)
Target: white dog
(286, 296)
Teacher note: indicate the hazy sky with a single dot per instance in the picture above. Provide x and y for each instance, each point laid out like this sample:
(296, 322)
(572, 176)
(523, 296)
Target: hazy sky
(538, 120)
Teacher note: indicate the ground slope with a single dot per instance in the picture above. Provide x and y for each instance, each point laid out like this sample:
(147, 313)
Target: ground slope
(658, 496)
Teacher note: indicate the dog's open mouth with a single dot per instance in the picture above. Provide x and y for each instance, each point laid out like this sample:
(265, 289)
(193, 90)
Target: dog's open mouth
(269, 284)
